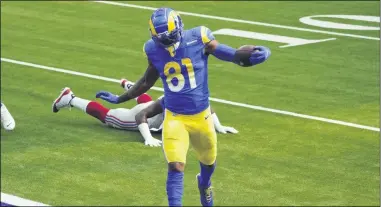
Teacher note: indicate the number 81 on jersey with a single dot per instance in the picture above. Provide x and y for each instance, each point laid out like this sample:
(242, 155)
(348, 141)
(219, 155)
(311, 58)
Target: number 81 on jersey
(172, 71)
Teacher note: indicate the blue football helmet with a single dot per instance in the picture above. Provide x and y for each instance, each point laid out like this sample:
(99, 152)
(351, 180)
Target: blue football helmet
(166, 27)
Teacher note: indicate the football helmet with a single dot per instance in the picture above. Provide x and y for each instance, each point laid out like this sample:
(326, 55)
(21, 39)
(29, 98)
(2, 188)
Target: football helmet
(166, 27)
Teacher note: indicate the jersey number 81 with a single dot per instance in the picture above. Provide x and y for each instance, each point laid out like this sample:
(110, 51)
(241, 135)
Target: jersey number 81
(176, 73)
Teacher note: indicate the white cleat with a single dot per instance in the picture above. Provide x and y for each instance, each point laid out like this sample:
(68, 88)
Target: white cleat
(63, 100)
(7, 119)
(126, 84)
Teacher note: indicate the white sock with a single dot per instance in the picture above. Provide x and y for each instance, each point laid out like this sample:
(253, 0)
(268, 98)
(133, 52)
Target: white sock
(79, 103)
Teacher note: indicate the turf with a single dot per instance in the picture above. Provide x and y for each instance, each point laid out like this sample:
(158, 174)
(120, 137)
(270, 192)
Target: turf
(69, 158)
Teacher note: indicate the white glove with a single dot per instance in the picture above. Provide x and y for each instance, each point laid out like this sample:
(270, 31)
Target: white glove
(149, 139)
(154, 130)
(227, 129)
(222, 129)
(152, 142)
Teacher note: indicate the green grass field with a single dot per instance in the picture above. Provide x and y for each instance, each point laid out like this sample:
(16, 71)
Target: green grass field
(69, 158)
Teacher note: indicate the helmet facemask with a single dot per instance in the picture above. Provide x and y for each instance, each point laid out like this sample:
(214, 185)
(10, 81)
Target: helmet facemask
(166, 39)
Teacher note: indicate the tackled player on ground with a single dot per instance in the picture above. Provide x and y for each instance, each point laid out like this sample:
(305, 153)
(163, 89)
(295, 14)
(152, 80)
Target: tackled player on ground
(147, 116)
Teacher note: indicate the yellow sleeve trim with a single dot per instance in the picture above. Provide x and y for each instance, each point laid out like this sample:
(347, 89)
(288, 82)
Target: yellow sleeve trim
(144, 51)
(204, 36)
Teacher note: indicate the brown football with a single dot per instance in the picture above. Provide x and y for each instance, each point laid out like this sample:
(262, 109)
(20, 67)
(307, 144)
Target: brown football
(247, 47)
(244, 53)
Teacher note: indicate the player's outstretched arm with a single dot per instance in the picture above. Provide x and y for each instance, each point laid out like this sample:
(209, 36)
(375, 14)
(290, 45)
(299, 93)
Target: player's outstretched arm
(141, 119)
(143, 85)
(258, 55)
(219, 127)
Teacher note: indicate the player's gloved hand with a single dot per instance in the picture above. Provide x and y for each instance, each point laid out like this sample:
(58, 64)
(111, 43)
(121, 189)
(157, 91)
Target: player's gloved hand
(226, 129)
(152, 142)
(229, 129)
(154, 130)
(259, 55)
(107, 96)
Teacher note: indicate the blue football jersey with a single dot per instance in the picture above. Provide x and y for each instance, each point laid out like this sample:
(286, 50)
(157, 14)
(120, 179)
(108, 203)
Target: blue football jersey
(184, 71)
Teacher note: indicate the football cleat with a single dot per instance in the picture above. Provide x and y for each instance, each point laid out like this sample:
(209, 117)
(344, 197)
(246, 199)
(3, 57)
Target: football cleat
(7, 119)
(63, 100)
(206, 193)
(126, 84)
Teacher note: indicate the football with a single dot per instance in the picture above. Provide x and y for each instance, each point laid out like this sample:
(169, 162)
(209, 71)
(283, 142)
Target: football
(244, 53)
(247, 47)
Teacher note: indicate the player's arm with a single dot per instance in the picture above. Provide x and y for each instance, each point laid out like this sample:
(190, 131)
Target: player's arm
(229, 54)
(141, 86)
(219, 127)
(149, 112)
(141, 119)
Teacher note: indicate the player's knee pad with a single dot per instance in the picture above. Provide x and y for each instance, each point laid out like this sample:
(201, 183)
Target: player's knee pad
(206, 147)
(208, 157)
(175, 150)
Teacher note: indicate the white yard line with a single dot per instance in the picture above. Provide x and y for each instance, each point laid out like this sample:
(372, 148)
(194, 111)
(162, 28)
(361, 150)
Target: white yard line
(12, 200)
(260, 108)
(243, 21)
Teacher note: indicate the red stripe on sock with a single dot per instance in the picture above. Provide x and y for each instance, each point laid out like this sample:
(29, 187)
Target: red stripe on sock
(97, 110)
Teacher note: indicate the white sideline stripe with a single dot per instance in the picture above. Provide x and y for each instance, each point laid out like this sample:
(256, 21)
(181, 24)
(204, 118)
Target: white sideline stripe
(17, 201)
(243, 21)
(212, 99)
(309, 42)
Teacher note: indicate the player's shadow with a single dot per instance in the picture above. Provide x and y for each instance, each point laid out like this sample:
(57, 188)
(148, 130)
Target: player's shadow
(4, 133)
(133, 136)
(110, 133)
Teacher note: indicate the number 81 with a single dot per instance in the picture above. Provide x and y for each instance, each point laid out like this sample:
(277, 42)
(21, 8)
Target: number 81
(178, 75)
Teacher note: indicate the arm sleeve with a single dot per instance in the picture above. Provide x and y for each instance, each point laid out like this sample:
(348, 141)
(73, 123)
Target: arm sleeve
(144, 130)
(216, 121)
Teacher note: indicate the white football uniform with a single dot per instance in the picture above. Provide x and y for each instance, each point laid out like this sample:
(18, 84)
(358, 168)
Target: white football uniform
(122, 118)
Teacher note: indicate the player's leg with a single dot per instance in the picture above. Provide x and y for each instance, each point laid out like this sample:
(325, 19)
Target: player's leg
(91, 108)
(121, 118)
(68, 99)
(204, 140)
(175, 145)
(6, 118)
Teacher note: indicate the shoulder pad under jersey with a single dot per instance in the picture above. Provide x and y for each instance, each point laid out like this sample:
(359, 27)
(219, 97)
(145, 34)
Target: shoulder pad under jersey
(203, 33)
(149, 47)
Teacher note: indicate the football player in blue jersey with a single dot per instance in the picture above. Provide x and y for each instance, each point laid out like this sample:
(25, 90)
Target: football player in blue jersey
(180, 58)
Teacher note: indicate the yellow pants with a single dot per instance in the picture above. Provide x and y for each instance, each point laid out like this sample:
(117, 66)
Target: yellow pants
(178, 129)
